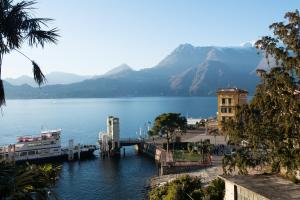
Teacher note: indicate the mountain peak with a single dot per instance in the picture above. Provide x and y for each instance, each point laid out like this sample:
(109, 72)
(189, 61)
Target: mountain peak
(123, 66)
(248, 44)
(184, 47)
(119, 69)
(53, 78)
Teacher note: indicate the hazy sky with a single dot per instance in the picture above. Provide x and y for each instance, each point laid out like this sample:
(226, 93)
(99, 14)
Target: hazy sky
(97, 35)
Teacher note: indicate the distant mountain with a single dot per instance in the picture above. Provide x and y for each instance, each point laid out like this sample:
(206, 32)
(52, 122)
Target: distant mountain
(120, 70)
(186, 71)
(53, 78)
(21, 80)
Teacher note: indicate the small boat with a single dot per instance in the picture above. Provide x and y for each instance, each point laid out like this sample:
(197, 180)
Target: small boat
(45, 147)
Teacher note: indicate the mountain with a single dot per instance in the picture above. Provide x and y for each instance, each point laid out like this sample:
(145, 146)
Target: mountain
(21, 80)
(186, 71)
(53, 78)
(120, 70)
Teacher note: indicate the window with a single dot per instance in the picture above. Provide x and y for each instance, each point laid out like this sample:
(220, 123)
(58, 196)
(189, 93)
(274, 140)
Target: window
(44, 151)
(229, 110)
(31, 152)
(229, 101)
(235, 194)
(223, 118)
(223, 110)
(223, 100)
(23, 153)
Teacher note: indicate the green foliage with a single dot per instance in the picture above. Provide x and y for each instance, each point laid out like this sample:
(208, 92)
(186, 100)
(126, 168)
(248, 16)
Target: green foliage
(181, 188)
(167, 125)
(215, 190)
(187, 187)
(190, 147)
(181, 155)
(27, 181)
(270, 124)
(17, 26)
(158, 193)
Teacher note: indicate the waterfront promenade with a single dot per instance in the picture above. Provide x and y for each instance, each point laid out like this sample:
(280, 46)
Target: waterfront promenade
(168, 164)
(206, 174)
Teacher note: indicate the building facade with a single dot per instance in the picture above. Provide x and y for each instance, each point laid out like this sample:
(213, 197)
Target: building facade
(228, 101)
(260, 187)
(113, 129)
(110, 140)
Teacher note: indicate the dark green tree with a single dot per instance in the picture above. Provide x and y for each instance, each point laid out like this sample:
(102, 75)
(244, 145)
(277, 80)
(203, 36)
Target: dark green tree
(269, 127)
(167, 124)
(189, 188)
(17, 26)
(27, 182)
(185, 187)
(215, 190)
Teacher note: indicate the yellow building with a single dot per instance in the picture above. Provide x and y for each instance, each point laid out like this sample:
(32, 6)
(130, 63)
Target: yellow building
(228, 100)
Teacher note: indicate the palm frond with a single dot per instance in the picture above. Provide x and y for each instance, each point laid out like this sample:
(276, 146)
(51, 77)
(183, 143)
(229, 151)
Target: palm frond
(11, 24)
(35, 23)
(38, 75)
(2, 94)
(25, 5)
(40, 37)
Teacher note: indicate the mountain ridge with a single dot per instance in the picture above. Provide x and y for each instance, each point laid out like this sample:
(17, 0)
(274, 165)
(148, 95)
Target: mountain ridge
(186, 71)
(53, 78)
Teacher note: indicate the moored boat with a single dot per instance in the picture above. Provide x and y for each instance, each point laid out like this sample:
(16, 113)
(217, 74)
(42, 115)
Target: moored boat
(44, 147)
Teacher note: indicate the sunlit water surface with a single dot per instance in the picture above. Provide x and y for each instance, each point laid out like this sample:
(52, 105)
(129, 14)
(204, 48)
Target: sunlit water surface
(81, 120)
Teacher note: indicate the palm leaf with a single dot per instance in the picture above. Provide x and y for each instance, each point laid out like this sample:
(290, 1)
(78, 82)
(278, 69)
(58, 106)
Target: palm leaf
(35, 23)
(38, 75)
(18, 25)
(2, 94)
(40, 37)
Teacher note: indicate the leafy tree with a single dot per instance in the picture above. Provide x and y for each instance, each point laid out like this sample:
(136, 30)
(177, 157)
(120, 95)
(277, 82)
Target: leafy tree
(215, 190)
(27, 181)
(187, 187)
(17, 26)
(167, 124)
(270, 124)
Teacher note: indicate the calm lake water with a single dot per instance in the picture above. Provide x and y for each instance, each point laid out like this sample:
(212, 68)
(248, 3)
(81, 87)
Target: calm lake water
(82, 119)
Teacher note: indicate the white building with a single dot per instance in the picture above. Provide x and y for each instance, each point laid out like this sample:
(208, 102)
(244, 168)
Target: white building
(113, 130)
(260, 187)
(193, 121)
(112, 135)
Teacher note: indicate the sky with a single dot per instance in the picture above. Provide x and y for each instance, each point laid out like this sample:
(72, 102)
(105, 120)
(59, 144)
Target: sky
(98, 35)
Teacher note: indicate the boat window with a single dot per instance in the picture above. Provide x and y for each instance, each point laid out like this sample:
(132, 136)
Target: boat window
(24, 153)
(31, 152)
(44, 151)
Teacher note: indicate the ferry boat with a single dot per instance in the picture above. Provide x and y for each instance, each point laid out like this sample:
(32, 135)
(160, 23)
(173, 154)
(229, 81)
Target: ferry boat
(44, 147)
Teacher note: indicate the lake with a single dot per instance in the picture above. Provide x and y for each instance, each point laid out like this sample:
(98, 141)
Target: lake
(81, 120)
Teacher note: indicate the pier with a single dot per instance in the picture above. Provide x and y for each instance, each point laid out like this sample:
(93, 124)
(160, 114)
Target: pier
(107, 150)
(168, 163)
